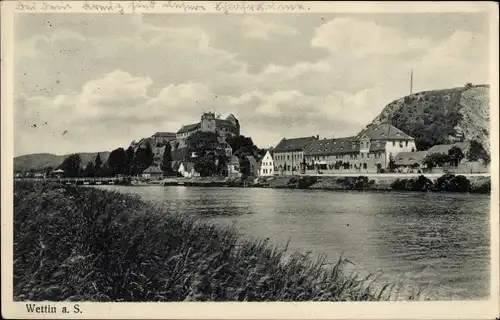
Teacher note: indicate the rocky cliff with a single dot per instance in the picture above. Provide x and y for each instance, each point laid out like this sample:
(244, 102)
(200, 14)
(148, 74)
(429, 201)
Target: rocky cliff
(442, 116)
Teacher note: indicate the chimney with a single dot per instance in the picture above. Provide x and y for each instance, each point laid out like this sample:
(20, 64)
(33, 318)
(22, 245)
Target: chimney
(317, 136)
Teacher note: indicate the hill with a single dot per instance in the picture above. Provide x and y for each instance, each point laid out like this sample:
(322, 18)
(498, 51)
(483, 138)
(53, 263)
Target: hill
(442, 116)
(38, 161)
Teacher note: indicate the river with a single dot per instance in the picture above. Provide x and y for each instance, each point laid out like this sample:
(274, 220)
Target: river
(434, 241)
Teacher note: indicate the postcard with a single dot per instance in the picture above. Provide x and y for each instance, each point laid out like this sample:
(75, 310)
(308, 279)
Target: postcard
(249, 160)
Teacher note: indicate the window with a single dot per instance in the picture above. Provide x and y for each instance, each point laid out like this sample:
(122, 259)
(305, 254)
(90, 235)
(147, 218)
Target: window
(288, 157)
(368, 155)
(362, 156)
(406, 143)
(394, 143)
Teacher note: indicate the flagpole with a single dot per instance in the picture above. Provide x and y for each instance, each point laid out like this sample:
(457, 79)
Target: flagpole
(411, 81)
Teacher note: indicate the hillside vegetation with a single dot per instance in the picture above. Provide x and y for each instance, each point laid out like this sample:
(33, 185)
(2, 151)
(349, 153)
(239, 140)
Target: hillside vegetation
(442, 116)
(39, 161)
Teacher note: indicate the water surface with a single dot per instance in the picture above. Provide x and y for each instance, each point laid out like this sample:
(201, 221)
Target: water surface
(437, 242)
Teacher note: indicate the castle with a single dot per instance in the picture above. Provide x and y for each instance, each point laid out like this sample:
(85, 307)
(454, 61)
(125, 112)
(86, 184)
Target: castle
(209, 122)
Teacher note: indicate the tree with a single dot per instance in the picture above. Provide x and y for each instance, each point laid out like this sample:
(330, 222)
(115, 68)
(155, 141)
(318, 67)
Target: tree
(90, 170)
(455, 155)
(166, 164)
(117, 161)
(104, 171)
(392, 163)
(143, 158)
(130, 161)
(478, 152)
(415, 165)
(71, 165)
(245, 166)
(201, 142)
(435, 160)
(98, 162)
(210, 156)
(242, 144)
(222, 164)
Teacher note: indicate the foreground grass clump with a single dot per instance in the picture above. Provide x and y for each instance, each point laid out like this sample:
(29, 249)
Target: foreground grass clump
(88, 244)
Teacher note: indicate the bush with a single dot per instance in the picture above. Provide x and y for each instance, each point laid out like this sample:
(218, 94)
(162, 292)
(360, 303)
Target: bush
(452, 183)
(420, 184)
(87, 244)
(484, 188)
(356, 183)
(306, 182)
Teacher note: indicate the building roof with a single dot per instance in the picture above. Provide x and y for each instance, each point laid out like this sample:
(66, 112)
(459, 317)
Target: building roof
(295, 144)
(444, 148)
(384, 131)
(271, 153)
(189, 127)
(332, 146)
(409, 158)
(170, 135)
(224, 122)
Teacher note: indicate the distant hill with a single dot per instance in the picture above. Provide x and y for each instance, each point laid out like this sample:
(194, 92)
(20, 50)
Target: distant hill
(38, 161)
(442, 116)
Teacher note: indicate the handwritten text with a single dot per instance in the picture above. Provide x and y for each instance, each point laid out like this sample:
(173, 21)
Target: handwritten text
(104, 7)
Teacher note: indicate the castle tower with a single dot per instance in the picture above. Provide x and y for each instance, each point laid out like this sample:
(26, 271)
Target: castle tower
(208, 122)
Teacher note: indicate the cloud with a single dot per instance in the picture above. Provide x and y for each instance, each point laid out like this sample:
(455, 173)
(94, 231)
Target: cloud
(265, 29)
(361, 38)
(110, 81)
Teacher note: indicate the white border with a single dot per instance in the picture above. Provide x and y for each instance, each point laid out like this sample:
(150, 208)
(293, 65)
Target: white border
(234, 310)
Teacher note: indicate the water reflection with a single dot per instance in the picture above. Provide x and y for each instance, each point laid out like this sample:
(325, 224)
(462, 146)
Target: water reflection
(440, 240)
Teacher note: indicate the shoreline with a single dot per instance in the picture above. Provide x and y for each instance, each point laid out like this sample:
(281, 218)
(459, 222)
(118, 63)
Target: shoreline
(480, 184)
(476, 184)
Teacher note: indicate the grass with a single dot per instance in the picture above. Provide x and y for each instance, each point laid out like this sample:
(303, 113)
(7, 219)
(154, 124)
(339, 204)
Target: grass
(86, 244)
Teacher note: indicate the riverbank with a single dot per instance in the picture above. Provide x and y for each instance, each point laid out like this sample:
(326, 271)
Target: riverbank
(444, 183)
(87, 244)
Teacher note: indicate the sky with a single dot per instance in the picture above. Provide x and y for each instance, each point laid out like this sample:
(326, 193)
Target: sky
(95, 82)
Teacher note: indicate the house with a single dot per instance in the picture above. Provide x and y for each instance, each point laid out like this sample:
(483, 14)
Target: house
(153, 173)
(162, 138)
(267, 164)
(186, 169)
(410, 160)
(59, 173)
(233, 167)
(289, 154)
(445, 148)
(254, 166)
(209, 123)
(368, 151)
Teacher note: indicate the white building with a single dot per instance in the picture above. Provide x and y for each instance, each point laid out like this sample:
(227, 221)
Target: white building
(267, 164)
(186, 169)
